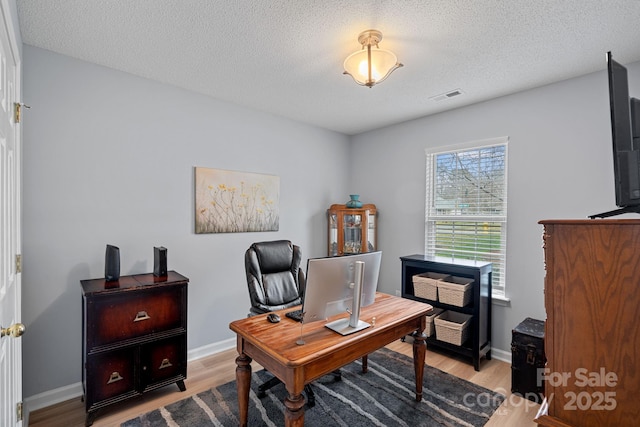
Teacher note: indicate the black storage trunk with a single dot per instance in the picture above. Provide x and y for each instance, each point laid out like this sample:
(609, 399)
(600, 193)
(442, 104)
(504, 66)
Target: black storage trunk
(527, 356)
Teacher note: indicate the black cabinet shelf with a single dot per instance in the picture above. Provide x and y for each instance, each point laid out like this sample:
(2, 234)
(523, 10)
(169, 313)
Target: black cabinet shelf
(478, 344)
(464, 349)
(467, 309)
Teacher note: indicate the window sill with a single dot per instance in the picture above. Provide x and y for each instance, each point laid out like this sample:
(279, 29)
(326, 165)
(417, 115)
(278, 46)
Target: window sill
(501, 300)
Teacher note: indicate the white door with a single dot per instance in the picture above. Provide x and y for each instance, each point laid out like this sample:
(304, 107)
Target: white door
(10, 276)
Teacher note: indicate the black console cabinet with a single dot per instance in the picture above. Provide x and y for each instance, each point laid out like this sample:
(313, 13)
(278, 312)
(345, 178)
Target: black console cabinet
(479, 342)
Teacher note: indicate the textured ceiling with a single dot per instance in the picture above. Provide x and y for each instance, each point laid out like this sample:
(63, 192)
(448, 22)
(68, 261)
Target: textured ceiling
(285, 57)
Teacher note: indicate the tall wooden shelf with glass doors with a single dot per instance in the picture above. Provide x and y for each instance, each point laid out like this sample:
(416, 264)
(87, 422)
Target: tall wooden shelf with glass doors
(352, 230)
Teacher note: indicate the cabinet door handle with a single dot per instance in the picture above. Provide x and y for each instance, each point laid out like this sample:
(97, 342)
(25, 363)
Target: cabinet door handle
(165, 364)
(142, 315)
(115, 376)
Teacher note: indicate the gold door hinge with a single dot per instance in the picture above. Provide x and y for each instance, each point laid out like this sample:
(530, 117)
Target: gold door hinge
(19, 263)
(19, 411)
(17, 107)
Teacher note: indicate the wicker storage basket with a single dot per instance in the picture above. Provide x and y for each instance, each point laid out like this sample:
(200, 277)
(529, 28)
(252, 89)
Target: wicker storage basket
(430, 330)
(455, 291)
(452, 327)
(425, 285)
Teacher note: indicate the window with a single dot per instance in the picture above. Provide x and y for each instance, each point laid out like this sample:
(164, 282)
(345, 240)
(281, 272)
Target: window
(466, 205)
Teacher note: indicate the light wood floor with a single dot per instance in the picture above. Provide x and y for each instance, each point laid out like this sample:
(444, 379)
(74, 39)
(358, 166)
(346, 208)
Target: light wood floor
(218, 369)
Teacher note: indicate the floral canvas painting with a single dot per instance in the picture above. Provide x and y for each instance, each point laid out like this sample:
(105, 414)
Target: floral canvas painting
(235, 202)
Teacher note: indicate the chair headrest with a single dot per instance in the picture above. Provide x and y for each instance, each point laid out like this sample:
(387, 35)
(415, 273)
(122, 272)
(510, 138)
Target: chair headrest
(274, 256)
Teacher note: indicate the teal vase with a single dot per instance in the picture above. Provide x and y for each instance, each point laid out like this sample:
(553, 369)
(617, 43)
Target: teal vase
(354, 202)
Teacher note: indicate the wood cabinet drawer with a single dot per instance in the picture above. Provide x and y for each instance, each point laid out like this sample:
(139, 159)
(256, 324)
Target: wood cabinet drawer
(113, 374)
(128, 315)
(163, 360)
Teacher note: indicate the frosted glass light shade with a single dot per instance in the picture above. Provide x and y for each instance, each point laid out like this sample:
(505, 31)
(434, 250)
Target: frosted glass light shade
(370, 65)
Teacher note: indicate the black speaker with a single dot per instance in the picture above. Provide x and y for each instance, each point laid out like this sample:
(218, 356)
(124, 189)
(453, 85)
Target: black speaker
(159, 261)
(112, 264)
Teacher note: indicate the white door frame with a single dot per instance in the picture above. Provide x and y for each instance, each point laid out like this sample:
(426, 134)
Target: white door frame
(10, 225)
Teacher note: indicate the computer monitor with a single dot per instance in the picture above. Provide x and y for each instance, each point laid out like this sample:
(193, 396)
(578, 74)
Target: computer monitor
(333, 285)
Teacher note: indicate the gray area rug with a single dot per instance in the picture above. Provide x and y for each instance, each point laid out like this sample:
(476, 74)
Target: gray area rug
(384, 396)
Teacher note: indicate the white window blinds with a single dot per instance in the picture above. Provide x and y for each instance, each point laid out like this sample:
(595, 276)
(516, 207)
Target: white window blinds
(466, 205)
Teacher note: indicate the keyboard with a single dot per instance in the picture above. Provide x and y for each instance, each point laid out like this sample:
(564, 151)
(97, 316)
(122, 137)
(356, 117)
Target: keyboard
(295, 315)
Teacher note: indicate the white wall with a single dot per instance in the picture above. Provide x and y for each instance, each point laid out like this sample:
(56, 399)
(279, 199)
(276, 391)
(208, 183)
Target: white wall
(560, 166)
(109, 158)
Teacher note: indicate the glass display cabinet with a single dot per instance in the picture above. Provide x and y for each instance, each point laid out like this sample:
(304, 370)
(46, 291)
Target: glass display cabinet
(352, 230)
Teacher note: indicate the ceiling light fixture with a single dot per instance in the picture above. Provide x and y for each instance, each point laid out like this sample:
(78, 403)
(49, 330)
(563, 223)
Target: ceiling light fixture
(370, 65)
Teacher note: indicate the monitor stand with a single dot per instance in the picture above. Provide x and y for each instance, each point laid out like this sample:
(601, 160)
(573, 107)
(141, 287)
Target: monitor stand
(343, 326)
(353, 323)
(627, 209)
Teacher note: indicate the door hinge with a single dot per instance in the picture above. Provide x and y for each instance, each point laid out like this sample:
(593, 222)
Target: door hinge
(19, 263)
(17, 109)
(19, 411)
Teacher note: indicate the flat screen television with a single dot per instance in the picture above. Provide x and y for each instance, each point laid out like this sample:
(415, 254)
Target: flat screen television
(625, 133)
(336, 285)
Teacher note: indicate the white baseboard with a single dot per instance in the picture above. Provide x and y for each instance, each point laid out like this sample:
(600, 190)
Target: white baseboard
(73, 391)
(51, 397)
(210, 349)
(503, 356)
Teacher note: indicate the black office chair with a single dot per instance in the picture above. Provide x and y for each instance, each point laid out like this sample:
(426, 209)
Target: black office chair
(274, 276)
(275, 282)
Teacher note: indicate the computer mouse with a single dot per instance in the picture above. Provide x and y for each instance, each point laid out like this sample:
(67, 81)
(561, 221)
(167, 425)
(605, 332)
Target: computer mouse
(273, 318)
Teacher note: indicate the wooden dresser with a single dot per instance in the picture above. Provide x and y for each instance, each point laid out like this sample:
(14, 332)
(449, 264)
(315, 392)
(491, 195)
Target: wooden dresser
(592, 338)
(134, 337)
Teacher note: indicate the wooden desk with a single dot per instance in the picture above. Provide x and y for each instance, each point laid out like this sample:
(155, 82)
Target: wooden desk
(273, 345)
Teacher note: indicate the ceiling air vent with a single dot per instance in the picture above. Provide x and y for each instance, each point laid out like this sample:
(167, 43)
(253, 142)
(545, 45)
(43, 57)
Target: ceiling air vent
(447, 95)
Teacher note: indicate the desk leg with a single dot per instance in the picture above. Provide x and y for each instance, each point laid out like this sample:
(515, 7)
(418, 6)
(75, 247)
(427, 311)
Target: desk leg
(294, 415)
(243, 384)
(419, 350)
